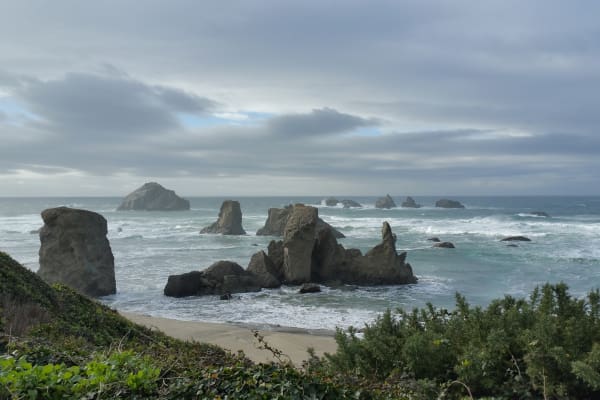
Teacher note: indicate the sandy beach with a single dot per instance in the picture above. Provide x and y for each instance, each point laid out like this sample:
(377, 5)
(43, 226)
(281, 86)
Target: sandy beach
(292, 342)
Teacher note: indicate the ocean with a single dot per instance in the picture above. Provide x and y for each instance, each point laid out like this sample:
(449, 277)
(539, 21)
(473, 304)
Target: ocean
(149, 246)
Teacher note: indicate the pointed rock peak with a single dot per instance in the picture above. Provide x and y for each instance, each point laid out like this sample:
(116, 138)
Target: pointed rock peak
(386, 232)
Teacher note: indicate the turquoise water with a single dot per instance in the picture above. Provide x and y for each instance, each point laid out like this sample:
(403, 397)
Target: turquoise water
(149, 246)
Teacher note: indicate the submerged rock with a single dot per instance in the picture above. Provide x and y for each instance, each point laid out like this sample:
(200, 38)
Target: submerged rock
(385, 202)
(351, 204)
(410, 203)
(153, 197)
(446, 203)
(75, 251)
(516, 239)
(309, 288)
(434, 239)
(540, 214)
(230, 220)
(444, 245)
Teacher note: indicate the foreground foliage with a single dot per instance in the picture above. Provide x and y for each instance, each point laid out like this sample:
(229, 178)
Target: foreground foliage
(544, 347)
(57, 344)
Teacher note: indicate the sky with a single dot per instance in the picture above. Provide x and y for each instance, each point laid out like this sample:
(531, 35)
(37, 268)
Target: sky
(303, 97)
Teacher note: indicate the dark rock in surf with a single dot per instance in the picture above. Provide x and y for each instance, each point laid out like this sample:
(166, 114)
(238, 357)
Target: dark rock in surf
(75, 251)
(446, 203)
(540, 214)
(385, 202)
(516, 239)
(434, 239)
(351, 204)
(230, 220)
(410, 203)
(331, 202)
(444, 245)
(223, 277)
(309, 288)
(153, 197)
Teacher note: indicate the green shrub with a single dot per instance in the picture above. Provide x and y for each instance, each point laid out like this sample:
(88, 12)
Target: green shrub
(547, 346)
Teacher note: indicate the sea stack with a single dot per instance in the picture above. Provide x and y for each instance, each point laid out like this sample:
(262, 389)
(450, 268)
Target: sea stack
(230, 220)
(75, 251)
(278, 217)
(153, 197)
(410, 203)
(385, 202)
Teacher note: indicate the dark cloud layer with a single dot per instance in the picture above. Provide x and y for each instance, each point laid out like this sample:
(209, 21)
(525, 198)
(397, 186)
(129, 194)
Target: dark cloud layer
(460, 94)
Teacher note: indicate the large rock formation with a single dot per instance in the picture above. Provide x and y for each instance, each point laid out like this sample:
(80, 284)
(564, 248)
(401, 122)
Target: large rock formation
(230, 220)
(385, 202)
(410, 203)
(305, 255)
(153, 197)
(278, 218)
(75, 251)
(298, 243)
(446, 203)
(223, 277)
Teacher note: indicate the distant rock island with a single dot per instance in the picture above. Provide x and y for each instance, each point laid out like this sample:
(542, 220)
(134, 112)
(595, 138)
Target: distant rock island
(446, 203)
(230, 220)
(332, 202)
(75, 251)
(153, 197)
(410, 203)
(385, 202)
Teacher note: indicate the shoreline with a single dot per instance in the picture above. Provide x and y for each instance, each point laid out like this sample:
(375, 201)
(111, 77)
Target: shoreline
(293, 342)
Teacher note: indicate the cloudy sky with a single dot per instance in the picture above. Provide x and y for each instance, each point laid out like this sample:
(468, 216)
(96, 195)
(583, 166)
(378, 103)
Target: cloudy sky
(306, 97)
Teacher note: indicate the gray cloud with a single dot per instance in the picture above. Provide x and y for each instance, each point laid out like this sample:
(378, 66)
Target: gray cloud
(112, 106)
(471, 92)
(318, 122)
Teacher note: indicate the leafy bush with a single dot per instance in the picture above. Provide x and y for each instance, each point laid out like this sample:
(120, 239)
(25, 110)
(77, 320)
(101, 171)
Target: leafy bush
(547, 346)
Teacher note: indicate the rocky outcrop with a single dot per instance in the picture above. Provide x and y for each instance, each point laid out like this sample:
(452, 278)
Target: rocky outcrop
(278, 218)
(516, 239)
(153, 197)
(385, 202)
(381, 265)
(75, 251)
(444, 245)
(305, 255)
(298, 243)
(230, 220)
(446, 203)
(351, 204)
(331, 202)
(267, 274)
(410, 203)
(221, 278)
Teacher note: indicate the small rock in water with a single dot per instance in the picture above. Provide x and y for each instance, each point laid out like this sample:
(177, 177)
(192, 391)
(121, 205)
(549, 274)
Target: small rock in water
(444, 245)
(331, 202)
(540, 214)
(226, 296)
(119, 229)
(516, 239)
(434, 239)
(512, 245)
(310, 288)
